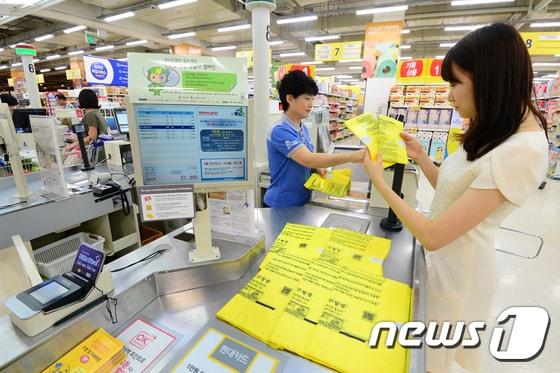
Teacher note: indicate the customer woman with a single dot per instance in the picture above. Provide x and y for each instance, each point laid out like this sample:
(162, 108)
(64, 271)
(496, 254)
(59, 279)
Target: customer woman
(502, 160)
(94, 122)
(291, 155)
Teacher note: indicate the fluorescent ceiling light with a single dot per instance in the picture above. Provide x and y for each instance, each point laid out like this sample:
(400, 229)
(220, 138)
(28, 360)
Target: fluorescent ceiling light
(557, 55)
(324, 69)
(447, 45)
(74, 29)
(405, 31)
(136, 42)
(463, 28)
(172, 4)
(292, 54)
(546, 64)
(386, 9)
(350, 61)
(16, 64)
(549, 76)
(53, 56)
(343, 76)
(355, 67)
(311, 63)
(45, 70)
(405, 58)
(104, 48)
(13, 46)
(35, 60)
(283, 21)
(60, 68)
(228, 47)
(75, 53)
(182, 35)
(545, 24)
(440, 57)
(125, 59)
(2, 50)
(321, 38)
(478, 2)
(117, 17)
(277, 42)
(404, 46)
(234, 28)
(44, 37)
(2, 67)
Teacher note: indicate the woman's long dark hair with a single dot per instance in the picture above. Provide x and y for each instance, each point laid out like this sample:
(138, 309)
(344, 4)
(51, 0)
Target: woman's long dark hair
(499, 64)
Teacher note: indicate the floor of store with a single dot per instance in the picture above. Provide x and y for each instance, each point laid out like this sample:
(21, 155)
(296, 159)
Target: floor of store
(523, 281)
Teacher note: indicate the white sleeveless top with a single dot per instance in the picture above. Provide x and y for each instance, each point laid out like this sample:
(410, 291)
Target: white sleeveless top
(462, 275)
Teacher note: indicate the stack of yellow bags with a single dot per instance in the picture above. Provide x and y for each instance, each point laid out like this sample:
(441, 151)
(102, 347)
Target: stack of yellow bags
(336, 183)
(318, 293)
(380, 133)
(98, 353)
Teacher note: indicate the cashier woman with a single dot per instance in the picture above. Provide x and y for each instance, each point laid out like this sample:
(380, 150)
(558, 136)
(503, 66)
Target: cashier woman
(291, 156)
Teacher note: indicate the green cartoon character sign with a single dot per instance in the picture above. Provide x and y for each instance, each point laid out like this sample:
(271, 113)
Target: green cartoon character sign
(161, 77)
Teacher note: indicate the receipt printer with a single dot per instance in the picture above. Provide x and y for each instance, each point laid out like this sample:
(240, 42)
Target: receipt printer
(41, 306)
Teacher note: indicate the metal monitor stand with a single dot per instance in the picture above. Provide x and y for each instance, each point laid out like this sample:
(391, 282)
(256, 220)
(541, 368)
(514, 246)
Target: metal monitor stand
(203, 250)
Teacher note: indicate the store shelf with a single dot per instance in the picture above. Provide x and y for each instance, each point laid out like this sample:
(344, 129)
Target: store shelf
(337, 96)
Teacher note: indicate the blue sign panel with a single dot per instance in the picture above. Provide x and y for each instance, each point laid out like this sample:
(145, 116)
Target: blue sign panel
(106, 71)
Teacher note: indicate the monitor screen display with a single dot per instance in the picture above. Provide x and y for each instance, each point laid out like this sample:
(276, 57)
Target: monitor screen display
(47, 293)
(88, 262)
(122, 120)
(111, 121)
(21, 118)
(187, 144)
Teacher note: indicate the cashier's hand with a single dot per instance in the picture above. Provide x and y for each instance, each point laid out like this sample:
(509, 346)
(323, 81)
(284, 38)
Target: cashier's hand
(322, 172)
(357, 156)
(374, 168)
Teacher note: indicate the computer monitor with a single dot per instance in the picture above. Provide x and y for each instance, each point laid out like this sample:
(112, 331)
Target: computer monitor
(113, 126)
(21, 118)
(122, 120)
(210, 147)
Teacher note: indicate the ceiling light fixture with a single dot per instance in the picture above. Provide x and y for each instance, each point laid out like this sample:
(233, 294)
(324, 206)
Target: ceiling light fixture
(311, 63)
(136, 42)
(226, 48)
(551, 64)
(2, 50)
(53, 56)
(350, 61)
(324, 69)
(446, 45)
(2, 67)
(404, 46)
(355, 67)
(74, 29)
(16, 64)
(45, 70)
(117, 17)
(172, 4)
(125, 59)
(234, 28)
(545, 24)
(35, 60)
(75, 53)
(343, 76)
(462, 28)
(277, 42)
(322, 38)
(292, 54)
(478, 2)
(309, 18)
(386, 9)
(440, 57)
(405, 31)
(104, 48)
(182, 35)
(44, 37)
(404, 58)
(60, 68)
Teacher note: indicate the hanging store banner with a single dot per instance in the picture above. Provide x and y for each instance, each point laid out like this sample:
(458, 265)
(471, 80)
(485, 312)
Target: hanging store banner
(173, 79)
(106, 71)
(381, 49)
(422, 71)
(249, 56)
(338, 51)
(542, 43)
(73, 74)
(309, 70)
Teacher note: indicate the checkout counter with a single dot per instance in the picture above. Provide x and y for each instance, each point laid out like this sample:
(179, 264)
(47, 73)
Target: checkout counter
(184, 297)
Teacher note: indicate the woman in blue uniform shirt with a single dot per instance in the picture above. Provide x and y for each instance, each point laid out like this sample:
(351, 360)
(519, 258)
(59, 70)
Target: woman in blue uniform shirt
(291, 156)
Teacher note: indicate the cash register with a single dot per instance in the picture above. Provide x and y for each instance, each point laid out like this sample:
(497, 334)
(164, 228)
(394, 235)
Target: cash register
(47, 303)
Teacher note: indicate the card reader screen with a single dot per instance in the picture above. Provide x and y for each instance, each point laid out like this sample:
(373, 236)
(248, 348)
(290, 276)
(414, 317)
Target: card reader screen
(47, 293)
(88, 263)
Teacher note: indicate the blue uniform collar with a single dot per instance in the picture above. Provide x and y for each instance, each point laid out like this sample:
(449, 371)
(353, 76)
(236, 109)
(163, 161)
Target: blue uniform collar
(287, 119)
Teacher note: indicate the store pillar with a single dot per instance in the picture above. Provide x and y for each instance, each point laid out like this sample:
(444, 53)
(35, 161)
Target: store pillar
(27, 52)
(261, 70)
